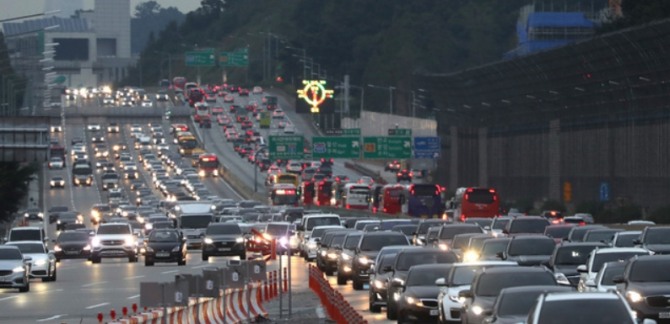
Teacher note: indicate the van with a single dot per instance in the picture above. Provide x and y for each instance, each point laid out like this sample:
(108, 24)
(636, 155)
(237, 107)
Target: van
(308, 222)
(29, 233)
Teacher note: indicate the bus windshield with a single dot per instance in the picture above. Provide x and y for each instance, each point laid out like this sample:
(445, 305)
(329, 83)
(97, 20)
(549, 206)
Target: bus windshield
(419, 190)
(188, 143)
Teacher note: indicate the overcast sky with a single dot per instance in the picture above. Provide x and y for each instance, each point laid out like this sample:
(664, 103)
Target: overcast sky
(14, 8)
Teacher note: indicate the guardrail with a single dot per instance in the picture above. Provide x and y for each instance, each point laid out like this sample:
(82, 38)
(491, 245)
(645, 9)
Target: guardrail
(338, 309)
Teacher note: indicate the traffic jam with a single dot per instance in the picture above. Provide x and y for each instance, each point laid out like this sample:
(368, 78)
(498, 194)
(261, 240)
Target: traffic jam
(418, 255)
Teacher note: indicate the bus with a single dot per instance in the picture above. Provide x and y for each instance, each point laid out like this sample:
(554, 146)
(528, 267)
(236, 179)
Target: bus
(283, 194)
(208, 164)
(265, 119)
(323, 193)
(186, 144)
(56, 150)
(355, 196)
(392, 199)
(287, 178)
(425, 200)
(475, 202)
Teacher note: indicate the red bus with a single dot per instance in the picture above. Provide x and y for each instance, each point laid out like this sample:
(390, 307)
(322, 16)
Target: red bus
(323, 193)
(307, 193)
(208, 164)
(475, 202)
(392, 198)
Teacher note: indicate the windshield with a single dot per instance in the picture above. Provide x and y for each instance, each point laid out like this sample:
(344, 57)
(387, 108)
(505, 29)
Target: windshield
(10, 254)
(600, 258)
(360, 225)
(517, 304)
(163, 236)
(377, 242)
(538, 246)
(26, 248)
(600, 236)
(573, 255)
(277, 229)
(650, 270)
(500, 223)
(479, 196)
(114, 229)
(490, 284)
(337, 239)
(448, 232)
(321, 221)
(224, 229)
(81, 169)
(626, 240)
(405, 229)
(73, 237)
(385, 261)
(425, 190)
(426, 277)
(460, 242)
(352, 241)
(195, 221)
(657, 236)
(407, 260)
(527, 225)
(25, 235)
(209, 164)
(424, 226)
(558, 232)
(492, 247)
(188, 144)
(584, 311)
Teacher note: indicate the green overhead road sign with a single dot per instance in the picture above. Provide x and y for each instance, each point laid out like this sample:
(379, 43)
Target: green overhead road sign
(347, 147)
(200, 58)
(286, 147)
(343, 132)
(400, 132)
(238, 58)
(387, 147)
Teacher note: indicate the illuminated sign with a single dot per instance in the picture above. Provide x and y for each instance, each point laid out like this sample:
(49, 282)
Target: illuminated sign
(314, 94)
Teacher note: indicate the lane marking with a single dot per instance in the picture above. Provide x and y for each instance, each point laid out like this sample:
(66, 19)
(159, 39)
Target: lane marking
(135, 277)
(133, 297)
(93, 284)
(8, 298)
(203, 266)
(97, 305)
(51, 318)
(171, 271)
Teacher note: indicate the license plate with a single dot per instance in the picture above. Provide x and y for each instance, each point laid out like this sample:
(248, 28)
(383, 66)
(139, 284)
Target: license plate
(71, 252)
(224, 249)
(664, 315)
(162, 254)
(433, 312)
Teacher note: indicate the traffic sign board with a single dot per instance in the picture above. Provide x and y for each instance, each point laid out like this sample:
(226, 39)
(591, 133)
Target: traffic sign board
(400, 132)
(238, 58)
(347, 147)
(286, 147)
(386, 147)
(200, 58)
(343, 131)
(426, 147)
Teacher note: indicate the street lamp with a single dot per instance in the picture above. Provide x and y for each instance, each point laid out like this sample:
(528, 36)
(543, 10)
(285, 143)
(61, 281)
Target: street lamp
(390, 89)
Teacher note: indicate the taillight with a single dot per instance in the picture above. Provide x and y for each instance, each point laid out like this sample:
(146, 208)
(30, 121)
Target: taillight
(462, 217)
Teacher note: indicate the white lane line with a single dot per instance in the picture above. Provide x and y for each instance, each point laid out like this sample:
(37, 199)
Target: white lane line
(51, 318)
(93, 284)
(203, 266)
(133, 297)
(97, 305)
(135, 277)
(8, 298)
(171, 271)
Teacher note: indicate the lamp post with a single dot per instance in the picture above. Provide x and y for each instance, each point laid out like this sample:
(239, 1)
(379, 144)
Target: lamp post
(390, 89)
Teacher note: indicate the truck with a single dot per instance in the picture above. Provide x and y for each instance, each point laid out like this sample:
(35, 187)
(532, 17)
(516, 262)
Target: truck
(265, 119)
(270, 102)
(192, 218)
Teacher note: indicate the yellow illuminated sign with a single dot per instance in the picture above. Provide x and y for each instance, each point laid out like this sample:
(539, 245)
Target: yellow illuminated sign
(314, 93)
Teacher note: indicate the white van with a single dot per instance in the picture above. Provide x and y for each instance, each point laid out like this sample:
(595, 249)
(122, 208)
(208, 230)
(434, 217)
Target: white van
(308, 222)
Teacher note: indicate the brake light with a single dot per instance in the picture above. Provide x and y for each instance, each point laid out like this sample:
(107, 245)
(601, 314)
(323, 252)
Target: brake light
(469, 190)
(462, 217)
(348, 207)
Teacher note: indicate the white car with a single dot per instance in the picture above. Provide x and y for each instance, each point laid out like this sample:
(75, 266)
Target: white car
(113, 128)
(603, 281)
(56, 163)
(93, 127)
(459, 279)
(43, 264)
(57, 182)
(162, 146)
(598, 257)
(257, 90)
(135, 128)
(147, 103)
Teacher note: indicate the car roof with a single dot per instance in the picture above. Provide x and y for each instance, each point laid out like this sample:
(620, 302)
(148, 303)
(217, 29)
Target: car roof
(26, 228)
(485, 263)
(24, 242)
(536, 288)
(496, 270)
(561, 296)
(382, 233)
(620, 249)
(569, 244)
(421, 267)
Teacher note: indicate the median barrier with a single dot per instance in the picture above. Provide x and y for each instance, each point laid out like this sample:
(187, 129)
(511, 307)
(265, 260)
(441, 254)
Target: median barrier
(337, 307)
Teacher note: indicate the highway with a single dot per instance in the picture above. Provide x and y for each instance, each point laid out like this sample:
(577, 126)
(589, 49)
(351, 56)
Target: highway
(82, 289)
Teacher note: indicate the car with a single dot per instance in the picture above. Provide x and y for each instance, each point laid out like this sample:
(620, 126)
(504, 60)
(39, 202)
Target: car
(114, 240)
(487, 284)
(456, 280)
(43, 262)
(68, 217)
(26, 233)
(448, 231)
(392, 166)
(228, 98)
(418, 300)
(577, 233)
(625, 238)
(404, 175)
(366, 180)
(366, 252)
(558, 232)
(257, 90)
(162, 96)
(223, 239)
(590, 269)
(514, 303)
(54, 212)
(56, 163)
(605, 235)
(278, 114)
(147, 103)
(567, 256)
(135, 128)
(113, 128)
(656, 239)
(165, 245)
(581, 308)
(404, 260)
(526, 225)
(379, 278)
(56, 128)
(57, 182)
(93, 127)
(604, 280)
(17, 268)
(529, 250)
(97, 137)
(344, 262)
(310, 246)
(423, 226)
(72, 244)
(329, 250)
(243, 92)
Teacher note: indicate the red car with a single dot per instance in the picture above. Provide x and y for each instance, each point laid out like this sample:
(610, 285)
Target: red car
(247, 124)
(217, 111)
(243, 92)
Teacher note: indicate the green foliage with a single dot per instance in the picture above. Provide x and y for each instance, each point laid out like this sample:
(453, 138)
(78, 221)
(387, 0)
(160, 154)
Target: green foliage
(14, 180)
(660, 215)
(151, 18)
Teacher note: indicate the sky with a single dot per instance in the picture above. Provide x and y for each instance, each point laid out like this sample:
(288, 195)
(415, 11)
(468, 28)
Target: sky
(12, 9)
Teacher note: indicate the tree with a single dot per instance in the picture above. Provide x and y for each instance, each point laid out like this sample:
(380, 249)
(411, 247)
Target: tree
(147, 9)
(14, 180)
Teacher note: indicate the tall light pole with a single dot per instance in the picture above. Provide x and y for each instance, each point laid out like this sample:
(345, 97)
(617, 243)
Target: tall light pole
(390, 89)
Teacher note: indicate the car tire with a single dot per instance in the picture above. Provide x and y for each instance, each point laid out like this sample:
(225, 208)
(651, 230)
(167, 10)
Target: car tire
(26, 288)
(341, 280)
(374, 308)
(148, 263)
(181, 263)
(391, 310)
(357, 285)
(243, 256)
(95, 259)
(132, 259)
(205, 257)
(54, 275)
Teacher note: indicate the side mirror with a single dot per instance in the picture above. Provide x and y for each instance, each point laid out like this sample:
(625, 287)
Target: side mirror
(637, 241)
(388, 268)
(501, 255)
(582, 268)
(441, 282)
(465, 293)
(27, 259)
(618, 279)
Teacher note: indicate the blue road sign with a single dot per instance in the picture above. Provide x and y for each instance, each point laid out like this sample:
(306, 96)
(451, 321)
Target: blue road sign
(426, 147)
(604, 191)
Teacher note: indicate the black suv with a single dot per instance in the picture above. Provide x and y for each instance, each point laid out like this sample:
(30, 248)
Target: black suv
(329, 250)
(223, 239)
(366, 252)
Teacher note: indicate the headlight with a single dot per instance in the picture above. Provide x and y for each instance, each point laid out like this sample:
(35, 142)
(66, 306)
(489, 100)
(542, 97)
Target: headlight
(239, 240)
(443, 246)
(311, 245)
(396, 296)
(95, 242)
(332, 255)
(456, 299)
(87, 247)
(58, 222)
(40, 262)
(40, 215)
(148, 226)
(634, 297)
(363, 260)
(208, 240)
(561, 279)
(283, 241)
(477, 310)
(26, 215)
(346, 257)
(18, 269)
(470, 256)
(215, 172)
(53, 183)
(129, 241)
(57, 248)
(201, 173)
(413, 301)
(378, 284)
